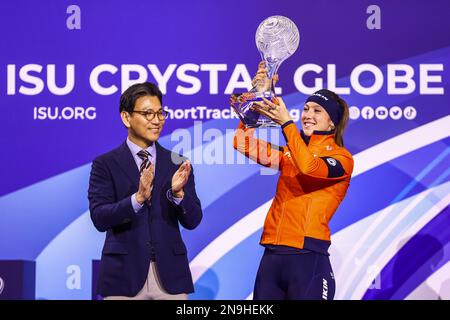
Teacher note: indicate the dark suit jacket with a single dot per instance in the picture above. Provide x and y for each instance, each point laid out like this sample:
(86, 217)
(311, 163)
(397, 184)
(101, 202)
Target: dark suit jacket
(131, 238)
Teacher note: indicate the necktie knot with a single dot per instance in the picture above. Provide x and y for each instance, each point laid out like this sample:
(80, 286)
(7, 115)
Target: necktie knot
(143, 155)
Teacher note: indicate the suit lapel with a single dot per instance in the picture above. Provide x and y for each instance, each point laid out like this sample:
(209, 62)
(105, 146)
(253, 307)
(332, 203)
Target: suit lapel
(126, 162)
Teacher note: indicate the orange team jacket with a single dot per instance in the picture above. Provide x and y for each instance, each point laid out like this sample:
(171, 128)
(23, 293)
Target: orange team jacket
(314, 177)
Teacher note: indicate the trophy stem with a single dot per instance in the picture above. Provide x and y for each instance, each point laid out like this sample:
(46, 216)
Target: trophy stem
(272, 67)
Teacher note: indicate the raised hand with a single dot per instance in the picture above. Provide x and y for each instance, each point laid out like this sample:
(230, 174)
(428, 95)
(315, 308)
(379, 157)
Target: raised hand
(180, 178)
(275, 110)
(261, 81)
(146, 184)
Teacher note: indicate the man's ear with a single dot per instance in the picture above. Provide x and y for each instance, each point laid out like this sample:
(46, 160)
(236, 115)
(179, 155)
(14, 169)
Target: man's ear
(125, 118)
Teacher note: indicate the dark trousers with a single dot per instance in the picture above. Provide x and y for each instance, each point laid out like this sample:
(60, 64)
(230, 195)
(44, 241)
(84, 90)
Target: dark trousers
(303, 276)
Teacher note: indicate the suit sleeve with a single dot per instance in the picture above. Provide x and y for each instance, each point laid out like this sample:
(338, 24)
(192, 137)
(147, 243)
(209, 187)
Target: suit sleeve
(189, 211)
(258, 150)
(337, 166)
(105, 211)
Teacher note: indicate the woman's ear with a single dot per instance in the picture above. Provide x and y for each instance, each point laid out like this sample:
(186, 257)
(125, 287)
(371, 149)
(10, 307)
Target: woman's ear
(125, 118)
(331, 125)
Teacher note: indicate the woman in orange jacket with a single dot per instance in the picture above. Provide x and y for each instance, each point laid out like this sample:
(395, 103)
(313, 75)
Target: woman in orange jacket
(315, 171)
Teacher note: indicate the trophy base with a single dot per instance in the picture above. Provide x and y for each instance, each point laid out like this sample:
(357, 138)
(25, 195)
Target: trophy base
(242, 105)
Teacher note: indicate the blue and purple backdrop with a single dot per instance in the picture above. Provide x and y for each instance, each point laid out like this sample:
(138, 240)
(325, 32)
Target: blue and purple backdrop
(65, 63)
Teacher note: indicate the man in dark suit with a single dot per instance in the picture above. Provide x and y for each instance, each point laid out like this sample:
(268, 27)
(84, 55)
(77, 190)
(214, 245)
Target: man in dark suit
(138, 193)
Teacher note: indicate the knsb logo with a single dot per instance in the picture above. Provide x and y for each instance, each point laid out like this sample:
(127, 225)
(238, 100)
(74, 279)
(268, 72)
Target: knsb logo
(331, 161)
(2, 285)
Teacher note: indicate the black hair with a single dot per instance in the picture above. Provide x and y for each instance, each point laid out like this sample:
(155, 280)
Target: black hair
(129, 97)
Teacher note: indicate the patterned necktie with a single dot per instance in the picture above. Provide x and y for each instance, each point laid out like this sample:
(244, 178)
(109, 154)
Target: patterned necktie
(144, 154)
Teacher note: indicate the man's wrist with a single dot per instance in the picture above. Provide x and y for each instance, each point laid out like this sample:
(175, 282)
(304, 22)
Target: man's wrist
(178, 194)
(140, 199)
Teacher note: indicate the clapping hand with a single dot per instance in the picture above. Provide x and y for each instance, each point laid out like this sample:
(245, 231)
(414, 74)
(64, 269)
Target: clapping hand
(180, 179)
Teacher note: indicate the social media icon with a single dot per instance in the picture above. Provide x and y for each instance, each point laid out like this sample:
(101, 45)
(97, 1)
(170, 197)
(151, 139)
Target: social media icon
(367, 113)
(354, 112)
(395, 113)
(410, 113)
(381, 112)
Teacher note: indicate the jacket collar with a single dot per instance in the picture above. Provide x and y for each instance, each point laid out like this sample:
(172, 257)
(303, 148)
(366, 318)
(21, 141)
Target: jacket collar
(319, 137)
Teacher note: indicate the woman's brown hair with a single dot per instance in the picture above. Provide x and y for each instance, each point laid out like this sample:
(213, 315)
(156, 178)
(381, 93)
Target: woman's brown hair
(339, 133)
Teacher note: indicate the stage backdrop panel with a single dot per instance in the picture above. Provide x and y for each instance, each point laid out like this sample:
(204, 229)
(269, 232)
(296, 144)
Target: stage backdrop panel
(64, 65)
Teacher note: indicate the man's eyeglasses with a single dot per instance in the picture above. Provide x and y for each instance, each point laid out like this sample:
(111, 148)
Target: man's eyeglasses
(150, 115)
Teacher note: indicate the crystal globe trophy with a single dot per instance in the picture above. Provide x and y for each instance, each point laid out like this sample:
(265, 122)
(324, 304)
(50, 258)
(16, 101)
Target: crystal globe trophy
(277, 38)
